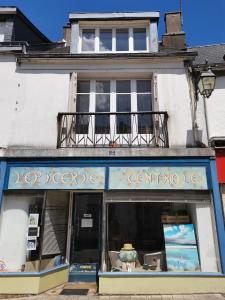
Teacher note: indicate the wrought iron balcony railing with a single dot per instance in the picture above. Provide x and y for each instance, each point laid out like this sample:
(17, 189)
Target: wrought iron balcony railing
(116, 129)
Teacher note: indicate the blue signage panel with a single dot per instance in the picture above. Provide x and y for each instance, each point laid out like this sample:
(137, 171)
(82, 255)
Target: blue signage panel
(56, 178)
(161, 178)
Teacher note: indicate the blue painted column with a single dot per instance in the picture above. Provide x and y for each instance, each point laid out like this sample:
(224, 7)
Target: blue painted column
(218, 214)
(2, 180)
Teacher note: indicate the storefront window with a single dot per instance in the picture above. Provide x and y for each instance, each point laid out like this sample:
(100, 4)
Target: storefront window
(160, 237)
(33, 231)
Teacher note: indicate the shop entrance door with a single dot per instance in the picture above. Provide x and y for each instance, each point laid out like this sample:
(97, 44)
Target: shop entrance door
(85, 237)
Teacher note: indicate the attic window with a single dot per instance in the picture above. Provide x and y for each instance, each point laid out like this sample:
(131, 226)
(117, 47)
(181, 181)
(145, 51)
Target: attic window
(128, 39)
(105, 40)
(88, 40)
(139, 36)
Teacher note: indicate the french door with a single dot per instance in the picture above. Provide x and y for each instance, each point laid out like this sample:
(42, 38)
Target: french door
(113, 111)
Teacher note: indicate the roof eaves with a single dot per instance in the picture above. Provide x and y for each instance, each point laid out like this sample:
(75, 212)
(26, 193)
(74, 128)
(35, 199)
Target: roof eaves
(13, 10)
(113, 16)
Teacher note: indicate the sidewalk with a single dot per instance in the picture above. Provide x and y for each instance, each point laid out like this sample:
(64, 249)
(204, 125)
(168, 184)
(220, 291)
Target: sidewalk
(149, 297)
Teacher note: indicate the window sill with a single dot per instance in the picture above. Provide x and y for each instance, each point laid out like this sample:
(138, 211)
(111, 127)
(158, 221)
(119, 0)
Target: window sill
(160, 274)
(34, 274)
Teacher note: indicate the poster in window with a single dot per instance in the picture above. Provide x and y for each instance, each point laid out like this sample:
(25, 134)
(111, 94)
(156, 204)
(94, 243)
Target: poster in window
(31, 243)
(33, 232)
(33, 220)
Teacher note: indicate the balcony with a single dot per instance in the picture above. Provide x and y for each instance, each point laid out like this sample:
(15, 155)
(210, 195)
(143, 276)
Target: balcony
(112, 130)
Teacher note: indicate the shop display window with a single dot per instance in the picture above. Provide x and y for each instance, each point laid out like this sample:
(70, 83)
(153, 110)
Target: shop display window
(33, 231)
(159, 237)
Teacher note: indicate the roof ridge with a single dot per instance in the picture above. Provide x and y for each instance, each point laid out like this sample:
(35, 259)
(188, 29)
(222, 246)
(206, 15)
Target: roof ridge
(210, 45)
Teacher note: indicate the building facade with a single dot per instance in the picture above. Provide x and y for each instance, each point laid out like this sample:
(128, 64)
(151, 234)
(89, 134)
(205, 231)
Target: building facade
(103, 176)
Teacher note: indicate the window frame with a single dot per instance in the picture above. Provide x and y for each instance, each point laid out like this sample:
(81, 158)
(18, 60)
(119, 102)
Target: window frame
(114, 28)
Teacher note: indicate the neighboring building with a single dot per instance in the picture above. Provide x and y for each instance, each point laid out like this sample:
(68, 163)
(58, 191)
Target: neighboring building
(214, 55)
(99, 148)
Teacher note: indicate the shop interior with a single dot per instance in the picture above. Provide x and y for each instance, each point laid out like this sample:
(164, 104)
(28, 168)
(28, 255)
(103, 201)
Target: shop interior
(162, 236)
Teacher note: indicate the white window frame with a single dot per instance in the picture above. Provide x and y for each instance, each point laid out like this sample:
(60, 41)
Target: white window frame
(113, 96)
(130, 39)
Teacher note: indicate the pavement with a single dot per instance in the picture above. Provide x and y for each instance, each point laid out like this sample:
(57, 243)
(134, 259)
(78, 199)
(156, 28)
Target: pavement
(46, 296)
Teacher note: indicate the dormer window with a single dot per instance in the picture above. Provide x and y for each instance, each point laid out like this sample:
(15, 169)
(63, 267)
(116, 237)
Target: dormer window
(105, 40)
(122, 39)
(139, 37)
(88, 40)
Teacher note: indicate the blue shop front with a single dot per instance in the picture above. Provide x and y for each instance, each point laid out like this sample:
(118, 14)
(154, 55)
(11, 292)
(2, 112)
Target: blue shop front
(111, 221)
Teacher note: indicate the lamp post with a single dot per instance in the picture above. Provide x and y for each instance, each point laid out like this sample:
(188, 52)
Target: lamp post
(206, 85)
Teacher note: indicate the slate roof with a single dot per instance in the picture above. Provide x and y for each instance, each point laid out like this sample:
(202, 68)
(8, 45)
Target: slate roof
(215, 54)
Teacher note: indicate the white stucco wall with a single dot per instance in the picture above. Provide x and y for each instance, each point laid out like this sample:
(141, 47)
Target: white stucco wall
(30, 102)
(216, 109)
(34, 94)
(13, 231)
(205, 236)
(174, 97)
(8, 97)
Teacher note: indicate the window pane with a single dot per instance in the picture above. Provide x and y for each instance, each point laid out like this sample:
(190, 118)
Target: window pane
(103, 86)
(102, 122)
(123, 86)
(82, 121)
(83, 86)
(88, 40)
(145, 124)
(105, 40)
(144, 102)
(122, 39)
(123, 104)
(139, 35)
(143, 86)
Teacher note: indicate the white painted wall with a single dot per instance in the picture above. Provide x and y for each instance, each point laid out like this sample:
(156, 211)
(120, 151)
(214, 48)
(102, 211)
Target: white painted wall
(202, 218)
(29, 104)
(33, 94)
(174, 97)
(216, 109)
(13, 231)
(8, 97)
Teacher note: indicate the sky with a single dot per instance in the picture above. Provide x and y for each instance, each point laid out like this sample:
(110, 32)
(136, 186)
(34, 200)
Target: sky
(204, 20)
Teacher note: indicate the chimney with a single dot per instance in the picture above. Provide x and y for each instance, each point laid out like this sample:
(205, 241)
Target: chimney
(67, 34)
(174, 37)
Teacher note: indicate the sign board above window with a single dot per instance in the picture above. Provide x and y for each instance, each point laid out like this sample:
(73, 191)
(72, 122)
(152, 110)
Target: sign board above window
(162, 178)
(120, 178)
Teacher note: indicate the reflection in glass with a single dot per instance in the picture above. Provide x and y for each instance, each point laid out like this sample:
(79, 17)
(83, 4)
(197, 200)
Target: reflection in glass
(103, 86)
(82, 121)
(143, 86)
(88, 40)
(122, 40)
(123, 86)
(105, 40)
(139, 35)
(83, 86)
(145, 124)
(102, 122)
(123, 104)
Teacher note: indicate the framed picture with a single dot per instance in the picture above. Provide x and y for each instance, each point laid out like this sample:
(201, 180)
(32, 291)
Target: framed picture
(33, 232)
(33, 220)
(31, 244)
(183, 234)
(182, 258)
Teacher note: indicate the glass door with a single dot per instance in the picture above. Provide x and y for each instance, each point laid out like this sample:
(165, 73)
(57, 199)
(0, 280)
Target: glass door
(86, 236)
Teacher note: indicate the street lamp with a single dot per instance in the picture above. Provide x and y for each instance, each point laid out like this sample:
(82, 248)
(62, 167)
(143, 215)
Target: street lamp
(206, 83)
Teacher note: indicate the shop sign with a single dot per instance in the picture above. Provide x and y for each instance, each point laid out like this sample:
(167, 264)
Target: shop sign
(163, 178)
(56, 178)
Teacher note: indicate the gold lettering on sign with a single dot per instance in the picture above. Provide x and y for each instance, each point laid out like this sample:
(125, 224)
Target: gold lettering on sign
(67, 178)
(171, 179)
